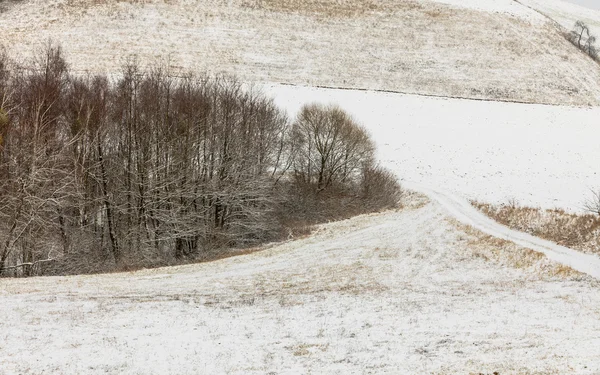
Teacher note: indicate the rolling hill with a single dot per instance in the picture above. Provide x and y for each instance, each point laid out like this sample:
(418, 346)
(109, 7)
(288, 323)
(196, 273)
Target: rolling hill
(431, 288)
(495, 50)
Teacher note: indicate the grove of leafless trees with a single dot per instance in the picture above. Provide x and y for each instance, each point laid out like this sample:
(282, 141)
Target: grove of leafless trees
(148, 169)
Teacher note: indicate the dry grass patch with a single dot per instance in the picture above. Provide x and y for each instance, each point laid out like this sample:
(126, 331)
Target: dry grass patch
(506, 253)
(411, 200)
(332, 8)
(306, 349)
(354, 279)
(577, 231)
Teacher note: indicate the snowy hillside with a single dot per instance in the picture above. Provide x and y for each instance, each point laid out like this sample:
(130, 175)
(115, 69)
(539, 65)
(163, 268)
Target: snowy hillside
(484, 49)
(433, 288)
(397, 293)
(566, 14)
(538, 155)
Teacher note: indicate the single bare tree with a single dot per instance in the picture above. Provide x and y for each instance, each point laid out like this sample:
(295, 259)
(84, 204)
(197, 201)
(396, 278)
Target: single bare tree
(590, 47)
(592, 203)
(583, 39)
(331, 147)
(580, 33)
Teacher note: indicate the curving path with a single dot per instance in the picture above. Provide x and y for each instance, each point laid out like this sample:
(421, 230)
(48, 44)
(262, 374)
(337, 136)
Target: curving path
(460, 208)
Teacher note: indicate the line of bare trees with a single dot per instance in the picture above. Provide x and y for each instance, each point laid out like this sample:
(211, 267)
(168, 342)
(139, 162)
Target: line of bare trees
(151, 170)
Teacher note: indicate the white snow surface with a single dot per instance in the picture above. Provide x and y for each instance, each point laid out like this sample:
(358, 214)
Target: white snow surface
(392, 293)
(565, 13)
(540, 155)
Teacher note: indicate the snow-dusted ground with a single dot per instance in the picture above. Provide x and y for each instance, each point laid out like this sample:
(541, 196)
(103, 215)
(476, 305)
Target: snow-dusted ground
(463, 211)
(566, 14)
(401, 292)
(537, 154)
(393, 293)
(492, 49)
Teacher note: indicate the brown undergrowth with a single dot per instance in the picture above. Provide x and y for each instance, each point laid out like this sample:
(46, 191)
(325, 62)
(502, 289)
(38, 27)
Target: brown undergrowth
(577, 231)
(332, 8)
(506, 253)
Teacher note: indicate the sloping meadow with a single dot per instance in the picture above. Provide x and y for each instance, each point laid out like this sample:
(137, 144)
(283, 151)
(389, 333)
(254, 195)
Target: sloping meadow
(484, 50)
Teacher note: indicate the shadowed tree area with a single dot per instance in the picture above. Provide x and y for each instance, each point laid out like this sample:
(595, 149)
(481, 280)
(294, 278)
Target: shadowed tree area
(148, 170)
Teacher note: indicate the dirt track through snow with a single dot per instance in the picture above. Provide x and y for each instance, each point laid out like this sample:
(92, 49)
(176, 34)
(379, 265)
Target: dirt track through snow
(462, 210)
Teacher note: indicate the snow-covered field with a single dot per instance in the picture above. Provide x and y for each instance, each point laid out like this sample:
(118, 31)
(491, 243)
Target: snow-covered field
(404, 292)
(491, 49)
(407, 292)
(537, 154)
(566, 14)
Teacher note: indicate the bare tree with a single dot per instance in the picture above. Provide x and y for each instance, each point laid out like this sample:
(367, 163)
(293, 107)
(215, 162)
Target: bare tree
(36, 181)
(582, 38)
(580, 33)
(592, 204)
(331, 147)
(590, 48)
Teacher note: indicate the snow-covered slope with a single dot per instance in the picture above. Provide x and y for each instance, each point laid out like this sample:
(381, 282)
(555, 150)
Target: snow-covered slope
(538, 155)
(409, 292)
(395, 293)
(490, 49)
(565, 13)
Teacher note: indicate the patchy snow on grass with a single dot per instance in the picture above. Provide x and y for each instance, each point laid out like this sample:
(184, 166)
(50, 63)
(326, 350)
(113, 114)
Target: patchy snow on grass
(397, 292)
(495, 6)
(489, 151)
(412, 291)
(470, 48)
(580, 232)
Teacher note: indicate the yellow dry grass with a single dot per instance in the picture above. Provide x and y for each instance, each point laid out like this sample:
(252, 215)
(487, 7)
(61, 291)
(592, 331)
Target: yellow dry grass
(506, 253)
(332, 8)
(305, 349)
(577, 231)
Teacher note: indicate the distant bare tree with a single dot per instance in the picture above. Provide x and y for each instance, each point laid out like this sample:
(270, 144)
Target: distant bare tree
(331, 147)
(35, 179)
(590, 48)
(592, 204)
(580, 33)
(582, 38)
